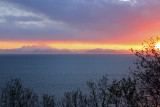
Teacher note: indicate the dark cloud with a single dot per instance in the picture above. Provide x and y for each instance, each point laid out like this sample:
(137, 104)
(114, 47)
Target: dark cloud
(10, 31)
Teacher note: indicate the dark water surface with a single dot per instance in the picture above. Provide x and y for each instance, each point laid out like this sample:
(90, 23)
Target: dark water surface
(59, 73)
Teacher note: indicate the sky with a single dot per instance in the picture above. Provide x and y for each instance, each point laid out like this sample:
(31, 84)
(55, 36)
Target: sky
(78, 24)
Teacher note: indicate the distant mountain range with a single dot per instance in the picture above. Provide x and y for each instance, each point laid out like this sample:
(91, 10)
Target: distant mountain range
(44, 49)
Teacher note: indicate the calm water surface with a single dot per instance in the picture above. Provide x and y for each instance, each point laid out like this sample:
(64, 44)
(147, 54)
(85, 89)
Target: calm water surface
(60, 73)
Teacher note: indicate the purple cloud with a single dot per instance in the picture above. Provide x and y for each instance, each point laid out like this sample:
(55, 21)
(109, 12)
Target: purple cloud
(82, 20)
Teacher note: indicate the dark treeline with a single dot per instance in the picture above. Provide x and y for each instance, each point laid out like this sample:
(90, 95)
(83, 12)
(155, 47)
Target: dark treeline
(120, 93)
(141, 89)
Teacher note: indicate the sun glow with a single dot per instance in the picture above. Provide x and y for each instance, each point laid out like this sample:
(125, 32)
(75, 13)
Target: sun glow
(157, 46)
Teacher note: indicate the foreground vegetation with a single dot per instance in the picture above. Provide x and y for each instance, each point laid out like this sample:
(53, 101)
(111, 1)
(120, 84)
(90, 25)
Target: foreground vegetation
(142, 89)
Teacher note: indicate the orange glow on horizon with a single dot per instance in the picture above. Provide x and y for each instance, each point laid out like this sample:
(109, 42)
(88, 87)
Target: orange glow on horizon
(13, 45)
(80, 46)
(69, 45)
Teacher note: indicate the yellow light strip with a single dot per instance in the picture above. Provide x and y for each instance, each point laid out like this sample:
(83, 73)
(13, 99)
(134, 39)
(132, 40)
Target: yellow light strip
(72, 46)
(79, 46)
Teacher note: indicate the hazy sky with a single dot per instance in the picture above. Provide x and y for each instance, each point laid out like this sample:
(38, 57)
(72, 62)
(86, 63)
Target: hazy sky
(61, 23)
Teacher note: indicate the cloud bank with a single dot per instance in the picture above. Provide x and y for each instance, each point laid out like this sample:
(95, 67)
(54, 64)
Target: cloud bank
(107, 21)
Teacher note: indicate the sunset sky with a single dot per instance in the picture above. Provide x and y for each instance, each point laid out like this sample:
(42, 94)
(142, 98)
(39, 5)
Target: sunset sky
(78, 24)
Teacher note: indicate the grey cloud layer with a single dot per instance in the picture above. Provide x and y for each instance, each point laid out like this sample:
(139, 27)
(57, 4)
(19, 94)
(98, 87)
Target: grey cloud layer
(83, 20)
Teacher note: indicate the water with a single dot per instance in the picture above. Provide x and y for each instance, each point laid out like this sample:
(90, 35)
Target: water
(56, 74)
